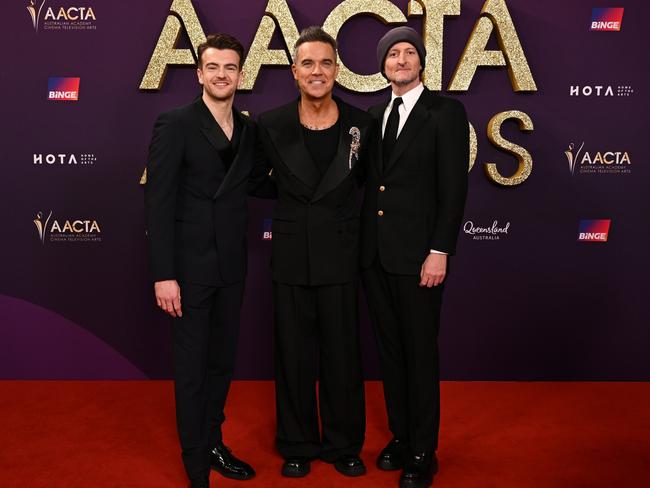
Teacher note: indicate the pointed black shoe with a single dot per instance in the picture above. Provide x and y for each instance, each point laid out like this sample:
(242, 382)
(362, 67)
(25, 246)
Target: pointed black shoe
(350, 465)
(296, 467)
(224, 462)
(419, 470)
(391, 457)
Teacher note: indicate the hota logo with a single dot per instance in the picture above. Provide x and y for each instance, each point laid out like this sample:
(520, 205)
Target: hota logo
(600, 90)
(600, 162)
(71, 230)
(61, 18)
(41, 159)
(606, 19)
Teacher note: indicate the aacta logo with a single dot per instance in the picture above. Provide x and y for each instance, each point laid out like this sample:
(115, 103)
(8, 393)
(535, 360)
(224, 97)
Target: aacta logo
(594, 230)
(72, 230)
(610, 162)
(61, 18)
(63, 89)
(606, 19)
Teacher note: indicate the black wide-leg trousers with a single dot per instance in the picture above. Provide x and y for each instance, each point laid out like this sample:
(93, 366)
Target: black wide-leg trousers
(204, 346)
(317, 336)
(405, 320)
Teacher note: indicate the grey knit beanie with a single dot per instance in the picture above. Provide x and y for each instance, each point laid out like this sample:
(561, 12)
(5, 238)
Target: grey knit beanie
(400, 34)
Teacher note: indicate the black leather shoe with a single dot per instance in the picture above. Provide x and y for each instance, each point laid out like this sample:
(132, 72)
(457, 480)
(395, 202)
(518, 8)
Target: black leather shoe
(419, 470)
(223, 461)
(296, 467)
(350, 465)
(200, 482)
(392, 456)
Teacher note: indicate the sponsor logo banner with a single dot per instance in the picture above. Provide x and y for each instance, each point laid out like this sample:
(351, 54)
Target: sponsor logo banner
(600, 90)
(64, 159)
(63, 89)
(61, 17)
(594, 230)
(494, 232)
(50, 229)
(606, 19)
(267, 225)
(600, 162)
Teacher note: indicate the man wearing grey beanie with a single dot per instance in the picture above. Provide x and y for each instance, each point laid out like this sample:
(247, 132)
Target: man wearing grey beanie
(412, 211)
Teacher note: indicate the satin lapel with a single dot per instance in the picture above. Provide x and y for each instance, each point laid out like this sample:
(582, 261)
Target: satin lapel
(414, 124)
(378, 113)
(289, 142)
(239, 169)
(343, 163)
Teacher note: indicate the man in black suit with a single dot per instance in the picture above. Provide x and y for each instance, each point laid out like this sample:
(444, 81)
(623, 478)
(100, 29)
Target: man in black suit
(200, 159)
(316, 147)
(412, 211)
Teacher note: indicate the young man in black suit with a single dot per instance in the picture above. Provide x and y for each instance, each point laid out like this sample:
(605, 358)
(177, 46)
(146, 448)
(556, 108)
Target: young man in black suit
(412, 211)
(200, 159)
(315, 146)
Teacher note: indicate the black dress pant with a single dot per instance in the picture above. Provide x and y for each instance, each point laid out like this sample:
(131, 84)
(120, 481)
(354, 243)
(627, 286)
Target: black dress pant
(317, 335)
(204, 344)
(405, 319)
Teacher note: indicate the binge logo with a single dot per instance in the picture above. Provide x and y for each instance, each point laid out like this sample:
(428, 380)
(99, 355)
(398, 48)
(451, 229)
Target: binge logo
(606, 19)
(63, 89)
(594, 230)
(267, 234)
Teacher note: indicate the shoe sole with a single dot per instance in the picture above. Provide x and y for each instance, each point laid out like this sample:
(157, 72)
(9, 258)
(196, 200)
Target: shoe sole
(415, 484)
(352, 473)
(293, 474)
(231, 476)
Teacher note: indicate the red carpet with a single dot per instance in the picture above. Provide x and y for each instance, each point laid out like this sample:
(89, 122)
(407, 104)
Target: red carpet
(122, 434)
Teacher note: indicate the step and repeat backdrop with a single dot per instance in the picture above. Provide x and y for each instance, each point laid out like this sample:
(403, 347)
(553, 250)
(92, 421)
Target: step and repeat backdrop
(550, 281)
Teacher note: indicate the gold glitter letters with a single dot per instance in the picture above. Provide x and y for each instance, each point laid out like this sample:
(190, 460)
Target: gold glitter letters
(165, 52)
(434, 12)
(259, 53)
(523, 156)
(494, 14)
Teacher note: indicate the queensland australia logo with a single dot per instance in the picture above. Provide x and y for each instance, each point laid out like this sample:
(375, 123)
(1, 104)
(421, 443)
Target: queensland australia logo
(267, 234)
(606, 19)
(600, 90)
(582, 161)
(63, 89)
(67, 17)
(494, 232)
(50, 229)
(64, 159)
(594, 230)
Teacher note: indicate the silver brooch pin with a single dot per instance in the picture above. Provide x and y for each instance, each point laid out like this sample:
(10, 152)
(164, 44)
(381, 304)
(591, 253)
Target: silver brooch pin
(355, 145)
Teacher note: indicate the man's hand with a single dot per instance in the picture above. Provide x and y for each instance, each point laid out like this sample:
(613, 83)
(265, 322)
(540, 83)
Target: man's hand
(433, 270)
(168, 297)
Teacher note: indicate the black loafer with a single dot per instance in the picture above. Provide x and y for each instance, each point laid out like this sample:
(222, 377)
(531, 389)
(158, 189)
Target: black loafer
(392, 456)
(419, 470)
(296, 467)
(224, 462)
(350, 465)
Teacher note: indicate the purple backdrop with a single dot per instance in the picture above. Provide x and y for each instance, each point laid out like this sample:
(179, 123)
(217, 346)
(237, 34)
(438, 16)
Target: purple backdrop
(534, 304)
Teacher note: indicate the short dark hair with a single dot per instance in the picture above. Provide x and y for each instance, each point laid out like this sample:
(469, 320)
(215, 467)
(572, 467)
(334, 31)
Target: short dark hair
(314, 33)
(221, 41)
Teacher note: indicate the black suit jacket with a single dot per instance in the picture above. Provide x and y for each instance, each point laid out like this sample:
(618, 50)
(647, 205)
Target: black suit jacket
(196, 211)
(421, 192)
(316, 219)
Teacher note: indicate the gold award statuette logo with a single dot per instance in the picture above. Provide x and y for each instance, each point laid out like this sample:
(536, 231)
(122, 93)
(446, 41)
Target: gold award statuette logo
(571, 158)
(35, 13)
(41, 227)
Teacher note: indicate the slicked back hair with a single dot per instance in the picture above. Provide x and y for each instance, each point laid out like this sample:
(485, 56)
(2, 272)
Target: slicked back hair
(314, 33)
(221, 41)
